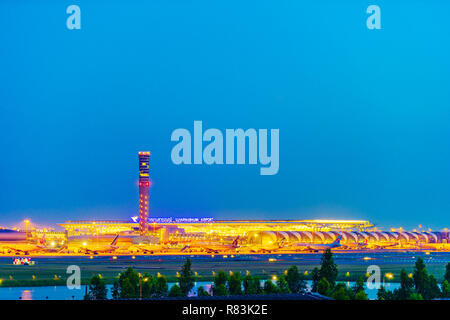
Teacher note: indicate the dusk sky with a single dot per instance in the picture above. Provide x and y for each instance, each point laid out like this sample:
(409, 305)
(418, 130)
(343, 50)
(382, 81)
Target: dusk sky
(364, 115)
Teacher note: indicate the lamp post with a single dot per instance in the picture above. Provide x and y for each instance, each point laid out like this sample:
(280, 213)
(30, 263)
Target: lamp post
(140, 286)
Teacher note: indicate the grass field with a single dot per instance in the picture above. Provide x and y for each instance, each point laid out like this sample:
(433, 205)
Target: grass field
(52, 270)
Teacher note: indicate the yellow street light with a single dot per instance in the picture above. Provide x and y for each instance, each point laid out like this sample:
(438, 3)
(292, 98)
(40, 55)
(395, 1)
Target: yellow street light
(389, 275)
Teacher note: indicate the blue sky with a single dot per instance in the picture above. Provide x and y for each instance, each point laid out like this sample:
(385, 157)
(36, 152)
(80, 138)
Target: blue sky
(363, 114)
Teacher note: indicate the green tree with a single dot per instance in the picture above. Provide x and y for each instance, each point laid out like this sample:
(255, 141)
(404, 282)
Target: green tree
(148, 286)
(270, 288)
(252, 284)
(235, 284)
(323, 287)
(445, 289)
(220, 290)
(127, 290)
(361, 295)
(115, 290)
(295, 280)
(129, 284)
(187, 278)
(282, 284)
(340, 292)
(358, 287)
(415, 296)
(433, 290)
(406, 286)
(447, 272)
(201, 292)
(97, 289)
(220, 280)
(328, 268)
(175, 291)
(315, 274)
(426, 285)
(384, 294)
(420, 276)
(161, 286)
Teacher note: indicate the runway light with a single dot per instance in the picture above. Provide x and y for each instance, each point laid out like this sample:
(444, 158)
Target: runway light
(133, 257)
(84, 244)
(347, 274)
(305, 273)
(114, 257)
(274, 278)
(389, 275)
(410, 275)
(53, 243)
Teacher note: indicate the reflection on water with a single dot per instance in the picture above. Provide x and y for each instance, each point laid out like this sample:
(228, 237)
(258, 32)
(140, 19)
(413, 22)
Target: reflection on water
(26, 295)
(63, 293)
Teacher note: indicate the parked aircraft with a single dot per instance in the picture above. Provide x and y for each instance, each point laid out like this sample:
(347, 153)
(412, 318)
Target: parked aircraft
(212, 246)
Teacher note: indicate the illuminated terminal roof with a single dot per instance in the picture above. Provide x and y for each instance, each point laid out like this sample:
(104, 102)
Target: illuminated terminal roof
(209, 225)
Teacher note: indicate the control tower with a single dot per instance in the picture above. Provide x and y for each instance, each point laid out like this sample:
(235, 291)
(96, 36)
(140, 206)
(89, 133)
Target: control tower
(144, 185)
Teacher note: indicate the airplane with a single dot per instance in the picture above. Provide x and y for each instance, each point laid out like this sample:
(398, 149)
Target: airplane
(212, 246)
(422, 246)
(384, 245)
(103, 248)
(312, 247)
(268, 248)
(357, 245)
(27, 248)
(148, 248)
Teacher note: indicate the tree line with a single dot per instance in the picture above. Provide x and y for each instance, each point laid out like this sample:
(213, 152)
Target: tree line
(132, 285)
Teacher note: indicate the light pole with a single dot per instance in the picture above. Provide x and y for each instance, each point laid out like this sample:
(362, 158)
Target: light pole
(140, 286)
